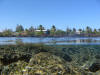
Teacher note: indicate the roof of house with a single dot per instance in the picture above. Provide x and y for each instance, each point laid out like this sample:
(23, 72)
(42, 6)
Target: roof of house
(42, 30)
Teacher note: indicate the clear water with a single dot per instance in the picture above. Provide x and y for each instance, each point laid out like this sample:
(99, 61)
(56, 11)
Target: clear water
(78, 52)
(50, 40)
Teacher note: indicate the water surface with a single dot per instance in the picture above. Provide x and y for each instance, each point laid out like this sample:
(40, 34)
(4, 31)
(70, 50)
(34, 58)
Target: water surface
(52, 40)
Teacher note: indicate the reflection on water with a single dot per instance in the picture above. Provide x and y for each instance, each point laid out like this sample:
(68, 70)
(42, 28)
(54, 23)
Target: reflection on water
(51, 40)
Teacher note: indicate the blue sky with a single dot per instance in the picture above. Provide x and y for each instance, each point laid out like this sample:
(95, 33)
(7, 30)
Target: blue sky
(61, 13)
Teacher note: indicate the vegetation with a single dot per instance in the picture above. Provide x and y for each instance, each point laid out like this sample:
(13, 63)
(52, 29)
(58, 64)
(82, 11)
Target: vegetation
(19, 28)
(54, 32)
(7, 32)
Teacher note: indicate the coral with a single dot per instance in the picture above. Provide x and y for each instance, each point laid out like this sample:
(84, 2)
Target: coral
(47, 63)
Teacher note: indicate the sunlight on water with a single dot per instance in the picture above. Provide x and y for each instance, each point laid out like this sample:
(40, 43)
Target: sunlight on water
(50, 40)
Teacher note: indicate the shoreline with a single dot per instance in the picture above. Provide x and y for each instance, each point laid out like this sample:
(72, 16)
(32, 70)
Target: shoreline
(50, 36)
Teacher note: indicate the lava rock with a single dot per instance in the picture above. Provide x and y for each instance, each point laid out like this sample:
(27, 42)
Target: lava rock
(97, 56)
(94, 67)
(84, 59)
(72, 51)
(64, 49)
(67, 58)
(45, 63)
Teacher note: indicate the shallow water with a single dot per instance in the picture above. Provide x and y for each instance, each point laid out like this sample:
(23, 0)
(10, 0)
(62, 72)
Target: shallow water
(82, 57)
(52, 40)
(78, 58)
(77, 54)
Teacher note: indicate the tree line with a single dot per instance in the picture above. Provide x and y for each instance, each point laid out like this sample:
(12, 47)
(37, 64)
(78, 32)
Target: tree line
(52, 32)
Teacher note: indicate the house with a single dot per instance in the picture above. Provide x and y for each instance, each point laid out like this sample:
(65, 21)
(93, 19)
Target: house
(78, 32)
(45, 31)
(40, 30)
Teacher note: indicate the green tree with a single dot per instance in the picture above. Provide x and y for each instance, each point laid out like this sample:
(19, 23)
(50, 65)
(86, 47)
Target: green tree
(7, 32)
(48, 32)
(88, 30)
(26, 31)
(95, 31)
(40, 27)
(53, 30)
(74, 31)
(60, 33)
(40, 33)
(80, 30)
(31, 29)
(83, 31)
(68, 31)
(19, 28)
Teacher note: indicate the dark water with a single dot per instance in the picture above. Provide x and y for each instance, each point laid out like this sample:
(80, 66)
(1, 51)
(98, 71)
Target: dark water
(52, 40)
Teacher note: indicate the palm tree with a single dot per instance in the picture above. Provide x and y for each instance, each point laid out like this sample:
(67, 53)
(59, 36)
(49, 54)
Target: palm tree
(88, 30)
(74, 30)
(53, 30)
(41, 27)
(95, 31)
(40, 33)
(80, 30)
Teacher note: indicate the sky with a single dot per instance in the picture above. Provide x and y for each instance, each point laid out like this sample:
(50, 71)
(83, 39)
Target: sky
(61, 13)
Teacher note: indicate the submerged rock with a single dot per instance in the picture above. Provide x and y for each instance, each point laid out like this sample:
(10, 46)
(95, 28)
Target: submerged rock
(94, 67)
(64, 49)
(46, 63)
(11, 58)
(43, 63)
(15, 68)
(67, 58)
(97, 56)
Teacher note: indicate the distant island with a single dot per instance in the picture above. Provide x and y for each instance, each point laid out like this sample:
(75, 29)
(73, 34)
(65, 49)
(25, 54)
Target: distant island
(52, 32)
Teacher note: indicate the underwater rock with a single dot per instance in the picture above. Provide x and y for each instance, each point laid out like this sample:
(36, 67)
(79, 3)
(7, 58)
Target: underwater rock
(43, 63)
(67, 58)
(17, 68)
(48, 64)
(64, 49)
(97, 56)
(72, 51)
(85, 58)
(11, 58)
(94, 67)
